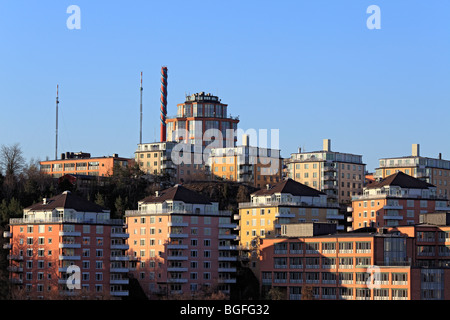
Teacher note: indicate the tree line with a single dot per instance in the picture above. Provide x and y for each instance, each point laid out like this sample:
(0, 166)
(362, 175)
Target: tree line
(22, 184)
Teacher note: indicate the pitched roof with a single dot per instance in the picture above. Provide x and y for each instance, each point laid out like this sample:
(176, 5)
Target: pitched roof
(289, 186)
(177, 193)
(402, 180)
(67, 200)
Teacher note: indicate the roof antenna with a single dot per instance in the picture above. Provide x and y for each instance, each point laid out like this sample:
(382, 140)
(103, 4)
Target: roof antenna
(57, 102)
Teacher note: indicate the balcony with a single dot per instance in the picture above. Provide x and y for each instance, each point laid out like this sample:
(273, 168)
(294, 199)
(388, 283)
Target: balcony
(7, 246)
(119, 258)
(14, 257)
(7, 234)
(284, 215)
(393, 207)
(70, 245)
(228, 237)
(329, 187)
(229, 281)
(228, 225)
(227, 247)
(392, 217)
(230, 269)
(335, 217)
(177, 258)
(177, 269)
(177, 246)
(120, 246)
(123, 235)
(14, 269)
(119, 281)
(63, 257)
(70, 233)
(119, 293)
(230, 258)
(237, 216)
(177, 224)
(349, 219)
(442, 208)
(177, 235)
(119, 270)
(177, 280)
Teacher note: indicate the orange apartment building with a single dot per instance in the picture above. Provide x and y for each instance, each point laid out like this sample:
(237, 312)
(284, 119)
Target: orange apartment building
(397, 200)
(82, 163)
(372, 265)
(435, 171)
(181, 244)
(62, 232)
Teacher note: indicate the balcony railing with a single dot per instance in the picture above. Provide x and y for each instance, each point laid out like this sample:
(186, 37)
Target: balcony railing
(286, 203)
(65, 220)
(130, 213)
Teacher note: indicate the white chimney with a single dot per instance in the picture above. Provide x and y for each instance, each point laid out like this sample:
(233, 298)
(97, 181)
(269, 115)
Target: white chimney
(326, 144)
(245, 140)
(416, 150)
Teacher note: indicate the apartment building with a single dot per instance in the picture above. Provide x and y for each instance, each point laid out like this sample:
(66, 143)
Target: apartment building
(82, 163)
(183, 165)
(339, 175)
(432, 170)
(251, 165)
(396, 200)
(199, 113)
(181, 244)
(388, 264)
(285, 202)
(62, 232)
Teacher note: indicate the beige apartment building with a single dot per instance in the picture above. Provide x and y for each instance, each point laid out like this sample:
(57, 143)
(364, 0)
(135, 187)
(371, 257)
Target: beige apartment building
(251, 165)
(339, 175)
(432, 170)
(156, 159)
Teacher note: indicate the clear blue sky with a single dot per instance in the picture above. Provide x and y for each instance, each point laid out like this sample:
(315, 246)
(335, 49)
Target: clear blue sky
(310, 68)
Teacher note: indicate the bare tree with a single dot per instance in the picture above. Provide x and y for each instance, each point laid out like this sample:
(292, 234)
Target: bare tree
(11, 159)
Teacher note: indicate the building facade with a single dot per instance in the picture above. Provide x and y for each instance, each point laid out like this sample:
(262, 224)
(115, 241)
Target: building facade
(339, 175)
(181, 244)
(432, 170)
(396, 200)
(377, 265)
(287, 202)
(251, 165)
(62, 233)
(199, 113)
(81, 163)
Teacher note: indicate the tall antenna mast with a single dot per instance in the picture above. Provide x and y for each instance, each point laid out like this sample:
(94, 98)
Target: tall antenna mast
(57, 102)
(140, 132)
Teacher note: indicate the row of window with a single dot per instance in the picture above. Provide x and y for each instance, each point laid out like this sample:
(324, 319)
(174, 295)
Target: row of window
(66, 228)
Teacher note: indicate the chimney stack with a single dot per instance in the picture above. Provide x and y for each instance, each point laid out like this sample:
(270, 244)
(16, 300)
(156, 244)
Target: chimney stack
(415, 150)
(163, 103)
(245, 140)
(326, 144)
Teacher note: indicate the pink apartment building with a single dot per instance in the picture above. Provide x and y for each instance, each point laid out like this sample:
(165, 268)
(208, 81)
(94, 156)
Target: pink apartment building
(181, 244)
(61, 232)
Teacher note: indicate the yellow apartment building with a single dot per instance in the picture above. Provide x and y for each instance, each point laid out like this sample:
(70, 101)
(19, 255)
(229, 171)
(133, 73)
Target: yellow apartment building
(286, 202)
